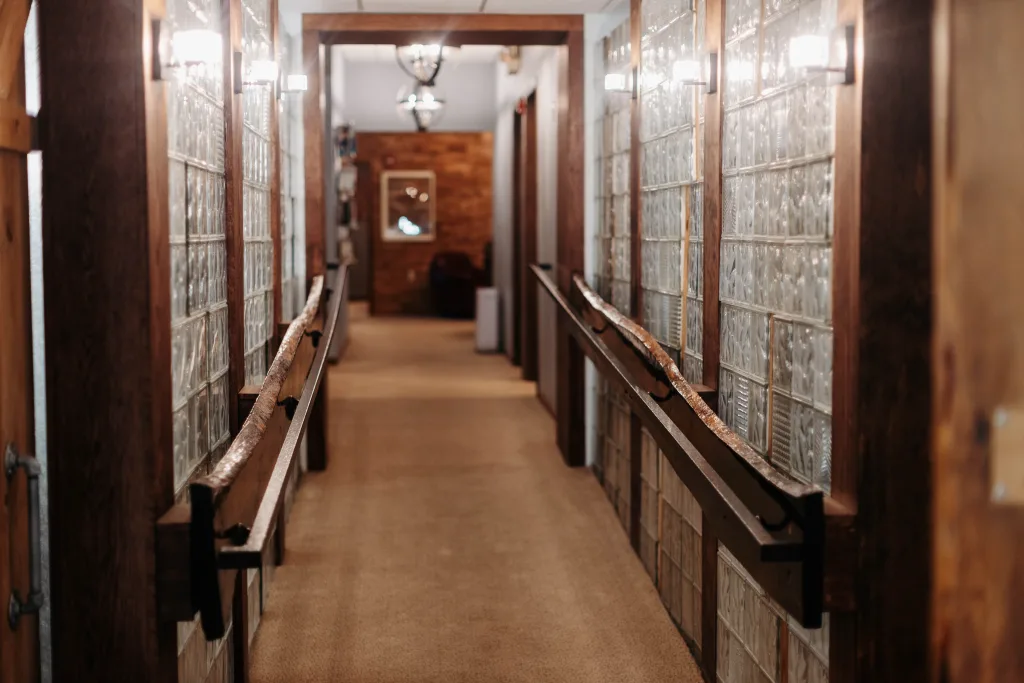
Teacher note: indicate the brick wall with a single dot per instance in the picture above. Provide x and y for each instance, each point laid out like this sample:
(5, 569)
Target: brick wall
(462, 163)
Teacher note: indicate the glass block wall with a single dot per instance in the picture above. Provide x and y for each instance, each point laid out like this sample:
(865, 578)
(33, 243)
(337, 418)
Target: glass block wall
(671, 175)
(615, 173)
(612, 255)
(775, 287)
(292, 183)
(199, 324)
(671, 234)
(256, 165)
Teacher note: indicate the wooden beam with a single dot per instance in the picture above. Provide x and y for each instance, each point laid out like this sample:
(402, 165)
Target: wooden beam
(313, 141)
(570, 390)
(107, 321)
(365, 22)
(882, 313)
(275, 175)
(15, 128)
(13, 18)
(528, 288)
(234, 230)
(636, 289)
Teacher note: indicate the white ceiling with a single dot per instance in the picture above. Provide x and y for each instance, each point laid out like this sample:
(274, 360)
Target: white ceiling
(468, 54)
(450, 6)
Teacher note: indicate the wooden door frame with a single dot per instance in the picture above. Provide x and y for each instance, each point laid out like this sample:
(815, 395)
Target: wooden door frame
(564, 31)
(20, 660)
(529, 335)
(514, 352)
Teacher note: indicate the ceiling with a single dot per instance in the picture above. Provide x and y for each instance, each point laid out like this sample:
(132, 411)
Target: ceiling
(449, 6)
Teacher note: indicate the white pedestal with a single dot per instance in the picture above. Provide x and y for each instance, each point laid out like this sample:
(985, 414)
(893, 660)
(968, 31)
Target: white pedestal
(487, 320)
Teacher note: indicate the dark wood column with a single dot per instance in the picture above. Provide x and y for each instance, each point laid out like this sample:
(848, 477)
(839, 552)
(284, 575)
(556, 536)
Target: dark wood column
(105, 245)
(570, 396)
(882, 303)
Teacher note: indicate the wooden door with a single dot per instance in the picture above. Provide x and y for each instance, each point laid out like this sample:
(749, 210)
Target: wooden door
(978, 362)
(19, 586)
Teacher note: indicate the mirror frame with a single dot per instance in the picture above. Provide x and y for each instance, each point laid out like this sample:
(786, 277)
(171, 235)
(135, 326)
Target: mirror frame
(388, 235)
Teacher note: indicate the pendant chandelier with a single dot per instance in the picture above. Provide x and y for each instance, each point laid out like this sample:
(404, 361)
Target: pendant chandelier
(422, 99)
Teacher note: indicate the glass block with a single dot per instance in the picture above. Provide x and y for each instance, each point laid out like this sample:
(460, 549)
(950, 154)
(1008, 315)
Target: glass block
(197, 276)
(181, 446)
(179, 281)
(199, 427)
(218, 341)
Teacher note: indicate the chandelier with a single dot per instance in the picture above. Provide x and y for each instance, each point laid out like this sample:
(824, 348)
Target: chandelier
(423, 100)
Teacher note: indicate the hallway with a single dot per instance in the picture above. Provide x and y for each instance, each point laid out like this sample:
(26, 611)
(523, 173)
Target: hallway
(448, 542)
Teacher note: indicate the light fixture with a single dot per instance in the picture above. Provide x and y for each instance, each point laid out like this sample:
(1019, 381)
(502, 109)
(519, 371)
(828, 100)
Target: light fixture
(295, 83)
(261, 72)
(422, 62)
(192, 48)
(833, 53)
(424, 102)
(616, 82)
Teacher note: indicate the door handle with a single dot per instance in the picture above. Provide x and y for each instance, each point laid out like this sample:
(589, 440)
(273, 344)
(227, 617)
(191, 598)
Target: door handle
(16, 606)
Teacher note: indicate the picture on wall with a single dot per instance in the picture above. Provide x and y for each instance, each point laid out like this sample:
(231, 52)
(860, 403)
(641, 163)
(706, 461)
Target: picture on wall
(407, 206)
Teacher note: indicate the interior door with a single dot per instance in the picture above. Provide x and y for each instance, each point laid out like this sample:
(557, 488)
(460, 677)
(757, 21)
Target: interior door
(361, 233)
(20, 570)
(978, 361)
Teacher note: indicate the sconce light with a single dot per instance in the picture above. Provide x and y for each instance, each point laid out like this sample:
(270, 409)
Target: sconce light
(184, 49)
(616, 82)
(826, 54)
(260, 72)
(295, 83)
(691, 72)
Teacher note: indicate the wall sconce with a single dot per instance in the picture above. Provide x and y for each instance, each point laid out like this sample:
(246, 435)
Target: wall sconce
(295, 83)
(826, 54)
(260, 72)
(691, 72)
(616, 82)
(184, 49)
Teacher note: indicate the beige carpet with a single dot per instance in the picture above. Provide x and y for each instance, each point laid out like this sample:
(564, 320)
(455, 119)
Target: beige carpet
(447, 541)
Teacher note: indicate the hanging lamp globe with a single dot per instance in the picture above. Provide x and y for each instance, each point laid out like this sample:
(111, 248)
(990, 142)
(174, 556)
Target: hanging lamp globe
(424, 103)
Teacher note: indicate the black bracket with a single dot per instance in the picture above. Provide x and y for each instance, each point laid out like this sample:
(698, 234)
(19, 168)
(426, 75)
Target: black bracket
(315, 336)
(290, 404)
(236, 534)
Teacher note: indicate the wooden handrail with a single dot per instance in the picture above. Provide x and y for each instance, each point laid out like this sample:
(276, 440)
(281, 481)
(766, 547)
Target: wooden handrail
(774, 526)
(250, 554)
(233, 512)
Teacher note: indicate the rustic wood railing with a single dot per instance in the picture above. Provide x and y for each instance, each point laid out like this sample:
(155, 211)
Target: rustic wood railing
(776, 527)
(235, 512)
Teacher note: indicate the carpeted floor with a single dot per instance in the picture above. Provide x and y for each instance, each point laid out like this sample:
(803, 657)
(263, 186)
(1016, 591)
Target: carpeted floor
(447, 541)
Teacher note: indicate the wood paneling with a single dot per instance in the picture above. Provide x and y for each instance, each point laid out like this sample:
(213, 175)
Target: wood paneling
(978, 364)
(518, 271)
(105, 245)
(570, 396)
(463, 166)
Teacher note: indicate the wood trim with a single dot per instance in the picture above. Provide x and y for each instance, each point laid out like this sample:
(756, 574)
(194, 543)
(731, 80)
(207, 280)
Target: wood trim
(313, 145)
(709, 602)
(635, 480)
(234, 230)
(711, 341)
(571, 389)
(275, 172)
(714, 41)
(519, 274)
(366, 22)
(527, 288)
(107, 322)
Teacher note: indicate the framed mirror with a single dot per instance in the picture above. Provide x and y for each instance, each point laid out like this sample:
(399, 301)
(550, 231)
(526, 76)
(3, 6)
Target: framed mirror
(407, 206)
